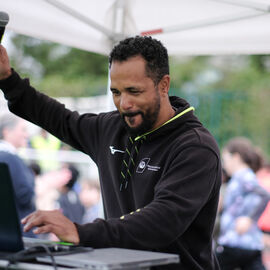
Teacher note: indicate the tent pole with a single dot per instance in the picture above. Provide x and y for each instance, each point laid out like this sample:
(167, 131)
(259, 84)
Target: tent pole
(113, 36)
(203, 23)
(82, 18)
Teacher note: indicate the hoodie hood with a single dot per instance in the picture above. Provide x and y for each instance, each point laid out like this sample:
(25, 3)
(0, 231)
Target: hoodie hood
(184, 112)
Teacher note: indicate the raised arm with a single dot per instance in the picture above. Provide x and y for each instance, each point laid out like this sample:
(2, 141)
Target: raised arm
(5, 70)
(79, 131)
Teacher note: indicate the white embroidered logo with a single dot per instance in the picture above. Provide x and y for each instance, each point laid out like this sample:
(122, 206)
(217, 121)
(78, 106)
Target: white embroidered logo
(144, 163)
(113, 150)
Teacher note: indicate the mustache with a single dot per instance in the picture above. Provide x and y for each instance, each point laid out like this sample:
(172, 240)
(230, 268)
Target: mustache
(130, 114)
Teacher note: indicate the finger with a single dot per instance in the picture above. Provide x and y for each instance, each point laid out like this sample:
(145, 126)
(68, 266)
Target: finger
(2, 50)
(43, 229)
(34, 221)
(26, 218)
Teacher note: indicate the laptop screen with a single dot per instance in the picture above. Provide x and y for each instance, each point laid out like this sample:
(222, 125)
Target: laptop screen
(10, 230)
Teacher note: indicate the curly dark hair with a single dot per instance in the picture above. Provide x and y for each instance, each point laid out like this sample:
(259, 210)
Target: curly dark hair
(152, 50)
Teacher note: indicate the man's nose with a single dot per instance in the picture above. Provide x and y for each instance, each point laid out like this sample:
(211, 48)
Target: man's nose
(125, 102)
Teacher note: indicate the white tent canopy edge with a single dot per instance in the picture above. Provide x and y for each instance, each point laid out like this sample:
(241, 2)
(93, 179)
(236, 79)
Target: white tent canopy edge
(194, 27)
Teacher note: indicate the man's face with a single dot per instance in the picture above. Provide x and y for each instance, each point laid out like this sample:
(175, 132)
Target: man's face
(135, 95)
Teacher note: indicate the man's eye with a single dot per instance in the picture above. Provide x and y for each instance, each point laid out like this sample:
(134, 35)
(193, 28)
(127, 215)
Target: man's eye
(115, 92)
(135, 92)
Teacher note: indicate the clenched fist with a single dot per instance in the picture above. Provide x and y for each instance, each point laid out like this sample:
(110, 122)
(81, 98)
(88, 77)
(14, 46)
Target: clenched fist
(5, 70)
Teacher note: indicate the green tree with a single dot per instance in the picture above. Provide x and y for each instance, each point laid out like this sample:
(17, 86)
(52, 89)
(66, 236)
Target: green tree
(234, 103)
(59, 70)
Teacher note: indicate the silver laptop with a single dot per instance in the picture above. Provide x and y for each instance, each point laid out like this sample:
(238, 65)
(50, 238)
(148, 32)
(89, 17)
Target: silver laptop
(114, 259)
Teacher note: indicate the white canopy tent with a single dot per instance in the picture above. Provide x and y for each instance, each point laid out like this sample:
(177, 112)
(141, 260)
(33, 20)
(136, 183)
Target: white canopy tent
(193, 27)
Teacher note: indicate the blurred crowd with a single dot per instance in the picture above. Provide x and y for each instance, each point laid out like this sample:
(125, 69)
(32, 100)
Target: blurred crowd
(46, 184)
(243, 222)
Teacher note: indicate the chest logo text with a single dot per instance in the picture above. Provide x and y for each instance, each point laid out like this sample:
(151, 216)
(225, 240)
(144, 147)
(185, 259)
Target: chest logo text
(144, 164)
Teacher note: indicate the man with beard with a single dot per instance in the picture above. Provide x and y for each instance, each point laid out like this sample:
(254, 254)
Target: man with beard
(159, 167)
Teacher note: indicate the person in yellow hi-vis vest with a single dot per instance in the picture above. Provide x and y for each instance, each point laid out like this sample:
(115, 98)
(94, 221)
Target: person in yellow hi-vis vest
(46, 145)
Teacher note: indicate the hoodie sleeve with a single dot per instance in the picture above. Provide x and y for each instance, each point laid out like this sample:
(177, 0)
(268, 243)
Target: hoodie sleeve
(70, 127)
(185, 199)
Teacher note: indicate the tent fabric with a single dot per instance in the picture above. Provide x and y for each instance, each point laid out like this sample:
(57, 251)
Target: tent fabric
(194, 27)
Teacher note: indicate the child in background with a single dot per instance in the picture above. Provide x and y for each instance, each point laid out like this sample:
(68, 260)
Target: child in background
(90, 198)
(69, 202)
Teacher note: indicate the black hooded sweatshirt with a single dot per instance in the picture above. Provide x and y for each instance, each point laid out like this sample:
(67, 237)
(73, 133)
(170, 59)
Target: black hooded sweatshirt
(160, 190)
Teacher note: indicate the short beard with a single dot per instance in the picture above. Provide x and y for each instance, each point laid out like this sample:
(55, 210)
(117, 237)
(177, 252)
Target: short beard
(149, 119)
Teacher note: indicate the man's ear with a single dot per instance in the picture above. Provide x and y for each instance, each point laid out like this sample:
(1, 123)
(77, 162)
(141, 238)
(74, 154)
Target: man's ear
(164, 85)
